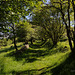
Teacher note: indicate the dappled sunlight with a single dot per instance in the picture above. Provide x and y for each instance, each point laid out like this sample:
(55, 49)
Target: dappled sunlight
(37, 37)
(35, 60)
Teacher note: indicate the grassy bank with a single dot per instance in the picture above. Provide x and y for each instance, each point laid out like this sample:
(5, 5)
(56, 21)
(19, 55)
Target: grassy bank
(37, 60)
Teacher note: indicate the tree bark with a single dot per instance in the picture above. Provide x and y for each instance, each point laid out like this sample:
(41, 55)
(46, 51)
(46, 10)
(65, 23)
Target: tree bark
(15, 43)
(67, 27)
(74, 28)
(31, 40)
(54, 43)
(73, 5)
(14, 38)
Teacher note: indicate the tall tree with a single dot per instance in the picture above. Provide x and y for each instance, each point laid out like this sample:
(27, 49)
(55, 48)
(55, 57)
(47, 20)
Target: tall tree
(25, 31)
(52, 26)
(65, 7)
(12, 11)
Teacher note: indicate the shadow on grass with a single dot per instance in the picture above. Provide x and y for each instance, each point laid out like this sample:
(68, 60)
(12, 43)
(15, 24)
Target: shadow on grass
(26, 72)
(8, 49)
(33, 71)
(63, 40)
(41, 44)
(28, 55)
(31, 55)
(67, 67)
(2, 66)
(45, 70)
(34, 46)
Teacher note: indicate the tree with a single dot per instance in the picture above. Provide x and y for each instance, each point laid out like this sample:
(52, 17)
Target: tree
(13, 11)
(9, 16)
(24, 31)
(52, 26)
(66, 8)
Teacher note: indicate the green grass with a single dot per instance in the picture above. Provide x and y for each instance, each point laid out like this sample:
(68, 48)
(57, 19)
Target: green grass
(37, 60)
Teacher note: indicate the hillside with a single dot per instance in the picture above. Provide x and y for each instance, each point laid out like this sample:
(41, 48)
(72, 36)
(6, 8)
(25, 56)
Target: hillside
(37, 60)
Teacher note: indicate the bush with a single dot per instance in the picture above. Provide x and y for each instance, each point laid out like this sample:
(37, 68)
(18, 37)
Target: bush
(9, 42)
(5, 42)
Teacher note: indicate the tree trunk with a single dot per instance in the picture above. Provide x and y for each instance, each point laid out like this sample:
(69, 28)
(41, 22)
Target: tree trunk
(31, 40)
(54, 43)
(67, 27)
(42, 39)
(74, 25)
(69, 39)
(74, 28)
(14, 38)
(15, 43)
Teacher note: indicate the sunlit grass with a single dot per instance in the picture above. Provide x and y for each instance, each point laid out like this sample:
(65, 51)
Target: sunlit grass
(34, 61)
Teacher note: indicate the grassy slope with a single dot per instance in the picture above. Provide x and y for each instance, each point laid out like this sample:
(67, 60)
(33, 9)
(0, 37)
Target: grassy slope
(37, 61)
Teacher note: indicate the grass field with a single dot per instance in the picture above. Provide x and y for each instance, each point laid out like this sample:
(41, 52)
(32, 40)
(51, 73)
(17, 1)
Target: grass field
(37, 60)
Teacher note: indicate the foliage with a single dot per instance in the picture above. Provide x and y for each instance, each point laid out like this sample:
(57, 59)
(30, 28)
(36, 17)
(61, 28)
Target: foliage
(24, 31)
(3, 42)
(50, 25)
(9, 42)
(66, 8)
